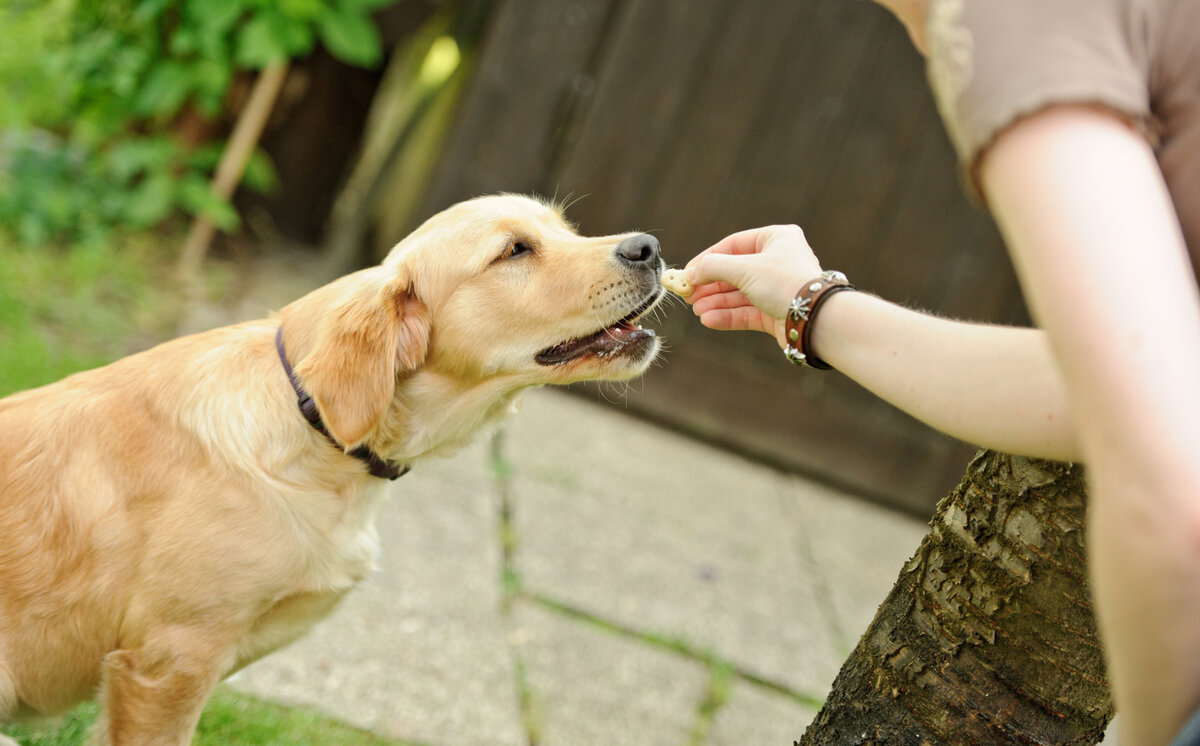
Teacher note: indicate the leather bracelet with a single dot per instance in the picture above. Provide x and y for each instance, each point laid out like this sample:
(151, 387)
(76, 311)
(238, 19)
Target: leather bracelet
(802, 312)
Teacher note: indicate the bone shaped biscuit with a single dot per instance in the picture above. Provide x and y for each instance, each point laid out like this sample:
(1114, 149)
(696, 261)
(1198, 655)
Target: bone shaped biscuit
(675, 280)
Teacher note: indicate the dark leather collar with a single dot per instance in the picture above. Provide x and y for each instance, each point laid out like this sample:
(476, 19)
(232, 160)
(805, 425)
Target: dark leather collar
(375, 465)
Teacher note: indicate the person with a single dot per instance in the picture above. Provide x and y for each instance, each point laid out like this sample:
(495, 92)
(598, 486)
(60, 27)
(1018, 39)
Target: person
(1078, 123)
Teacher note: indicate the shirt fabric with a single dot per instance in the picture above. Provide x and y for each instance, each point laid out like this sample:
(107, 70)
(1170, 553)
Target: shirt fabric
(992, 62)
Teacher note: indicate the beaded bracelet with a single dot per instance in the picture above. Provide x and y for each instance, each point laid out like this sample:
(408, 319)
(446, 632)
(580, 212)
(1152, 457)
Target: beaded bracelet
(801, 313)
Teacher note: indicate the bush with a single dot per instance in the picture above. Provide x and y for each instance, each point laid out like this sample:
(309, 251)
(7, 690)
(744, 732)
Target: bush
(92, 93)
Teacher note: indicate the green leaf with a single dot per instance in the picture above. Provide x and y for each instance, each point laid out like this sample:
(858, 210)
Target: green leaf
(150, 202)
(270, 37)
(150, 9)
(164, 91)
(258, 45)
(212, 78)
(213, 16)
(302, 10)
(351, 37)
(206, 157)
(184, 41)
(128, 158)
(127, 69)
(195, 195)
(297, 37)
(260, 173)
(364, 6)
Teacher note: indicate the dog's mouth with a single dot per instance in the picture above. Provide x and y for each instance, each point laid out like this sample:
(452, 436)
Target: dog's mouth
(625, 338)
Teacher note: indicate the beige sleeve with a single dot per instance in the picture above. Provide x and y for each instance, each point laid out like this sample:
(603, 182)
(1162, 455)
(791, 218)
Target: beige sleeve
(992, 62)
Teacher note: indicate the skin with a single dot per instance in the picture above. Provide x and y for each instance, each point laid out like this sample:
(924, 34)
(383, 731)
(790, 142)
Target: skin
(1096, 242)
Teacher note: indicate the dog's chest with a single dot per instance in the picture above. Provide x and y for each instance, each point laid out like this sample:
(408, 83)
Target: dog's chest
(335, 557)
(343, 549)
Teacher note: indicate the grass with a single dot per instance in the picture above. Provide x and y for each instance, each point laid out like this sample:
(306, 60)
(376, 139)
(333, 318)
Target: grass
(229, 719)
(62, 311)
(720, 686)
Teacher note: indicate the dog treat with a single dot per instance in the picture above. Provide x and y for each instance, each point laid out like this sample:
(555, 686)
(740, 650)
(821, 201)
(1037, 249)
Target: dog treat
(675, 280)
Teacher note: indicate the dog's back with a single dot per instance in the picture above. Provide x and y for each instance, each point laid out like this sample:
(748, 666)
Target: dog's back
(124, 501)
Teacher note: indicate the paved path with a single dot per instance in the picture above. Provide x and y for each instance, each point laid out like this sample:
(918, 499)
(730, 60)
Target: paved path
(581, 577)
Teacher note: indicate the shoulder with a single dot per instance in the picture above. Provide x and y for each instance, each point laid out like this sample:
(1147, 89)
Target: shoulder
(994, 62)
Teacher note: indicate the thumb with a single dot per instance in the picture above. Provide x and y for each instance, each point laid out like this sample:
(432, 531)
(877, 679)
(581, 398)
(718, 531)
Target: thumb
(718, 268)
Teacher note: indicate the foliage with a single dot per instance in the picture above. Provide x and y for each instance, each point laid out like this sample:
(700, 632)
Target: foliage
(64, 311)
(229, 719)
(93, 94)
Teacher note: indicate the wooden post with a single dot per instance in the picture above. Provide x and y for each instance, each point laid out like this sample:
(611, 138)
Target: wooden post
(242, 142)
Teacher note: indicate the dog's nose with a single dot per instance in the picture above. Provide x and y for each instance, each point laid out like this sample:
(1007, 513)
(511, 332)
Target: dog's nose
(638, 250)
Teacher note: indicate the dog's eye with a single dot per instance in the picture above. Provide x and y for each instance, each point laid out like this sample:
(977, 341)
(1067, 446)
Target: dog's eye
(518, 248)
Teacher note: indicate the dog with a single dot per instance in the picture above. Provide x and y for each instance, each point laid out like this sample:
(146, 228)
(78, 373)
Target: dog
(172, 517)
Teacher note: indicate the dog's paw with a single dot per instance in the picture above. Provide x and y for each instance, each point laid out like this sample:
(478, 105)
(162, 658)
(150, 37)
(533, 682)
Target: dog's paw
(676, 281)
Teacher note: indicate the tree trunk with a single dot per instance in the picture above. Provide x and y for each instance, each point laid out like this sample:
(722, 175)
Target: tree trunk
(988, 635)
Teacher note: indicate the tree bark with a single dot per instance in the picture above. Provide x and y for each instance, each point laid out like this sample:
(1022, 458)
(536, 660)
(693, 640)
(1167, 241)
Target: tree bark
(988, 635)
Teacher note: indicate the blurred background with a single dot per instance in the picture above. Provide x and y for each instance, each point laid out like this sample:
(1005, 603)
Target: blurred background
(121, 123)
(686, 118)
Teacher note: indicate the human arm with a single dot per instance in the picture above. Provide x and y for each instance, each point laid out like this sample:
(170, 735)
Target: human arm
(990, 385)
(1097, 245)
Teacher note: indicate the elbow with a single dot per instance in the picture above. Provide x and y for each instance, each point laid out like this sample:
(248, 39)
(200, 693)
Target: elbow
(1050, 437)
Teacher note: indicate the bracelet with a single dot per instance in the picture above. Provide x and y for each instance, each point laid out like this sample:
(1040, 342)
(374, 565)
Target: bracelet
(798, 323)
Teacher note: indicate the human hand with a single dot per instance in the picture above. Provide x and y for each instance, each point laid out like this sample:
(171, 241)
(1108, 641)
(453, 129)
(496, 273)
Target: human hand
(747, 280)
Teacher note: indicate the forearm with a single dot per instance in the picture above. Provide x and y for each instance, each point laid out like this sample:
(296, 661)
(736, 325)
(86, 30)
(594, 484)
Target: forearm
(993, 386)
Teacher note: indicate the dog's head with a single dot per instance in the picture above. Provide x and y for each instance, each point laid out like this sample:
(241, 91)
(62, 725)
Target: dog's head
(498, 291)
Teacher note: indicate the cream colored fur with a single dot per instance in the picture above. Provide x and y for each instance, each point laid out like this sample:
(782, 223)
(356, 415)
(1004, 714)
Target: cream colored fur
(169, 518)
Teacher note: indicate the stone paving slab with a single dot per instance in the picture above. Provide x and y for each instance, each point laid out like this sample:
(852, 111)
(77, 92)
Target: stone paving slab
(589, 686)
(674, 538)
(420, 650)
(754, 715)
(853, 549)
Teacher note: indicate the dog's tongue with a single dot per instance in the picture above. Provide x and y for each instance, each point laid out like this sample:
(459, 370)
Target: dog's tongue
(615, 337)
(603, 343)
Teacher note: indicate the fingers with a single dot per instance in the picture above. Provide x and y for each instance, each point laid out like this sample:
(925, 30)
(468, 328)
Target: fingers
(711, 288)
(746, 318)
(731, 298)
(742, 242)
(751, 241)
(716, 267)
(756, 254)
(751, 272)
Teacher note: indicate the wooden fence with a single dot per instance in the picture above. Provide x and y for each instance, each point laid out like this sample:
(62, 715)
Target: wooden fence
(696, 118)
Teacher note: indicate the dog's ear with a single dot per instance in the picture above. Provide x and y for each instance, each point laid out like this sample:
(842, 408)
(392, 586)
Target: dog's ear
(363, 331)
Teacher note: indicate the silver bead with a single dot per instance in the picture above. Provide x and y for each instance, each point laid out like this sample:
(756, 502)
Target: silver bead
(834, 276)
(795, 356)
(799, 309)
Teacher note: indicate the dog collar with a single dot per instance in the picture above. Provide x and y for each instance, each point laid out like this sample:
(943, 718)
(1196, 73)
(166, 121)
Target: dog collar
(377, 466)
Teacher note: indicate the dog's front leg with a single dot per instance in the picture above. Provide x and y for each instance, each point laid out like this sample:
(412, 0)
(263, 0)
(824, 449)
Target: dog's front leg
(154, 697)
(8, 706)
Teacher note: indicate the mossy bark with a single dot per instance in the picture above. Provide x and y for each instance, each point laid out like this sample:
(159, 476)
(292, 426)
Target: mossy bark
(988, 635)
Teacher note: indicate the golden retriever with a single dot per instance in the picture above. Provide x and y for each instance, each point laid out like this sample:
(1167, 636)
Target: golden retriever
(171, 517)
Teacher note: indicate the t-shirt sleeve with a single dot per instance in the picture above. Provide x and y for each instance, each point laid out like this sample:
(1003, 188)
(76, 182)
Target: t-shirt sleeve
(992, 62)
